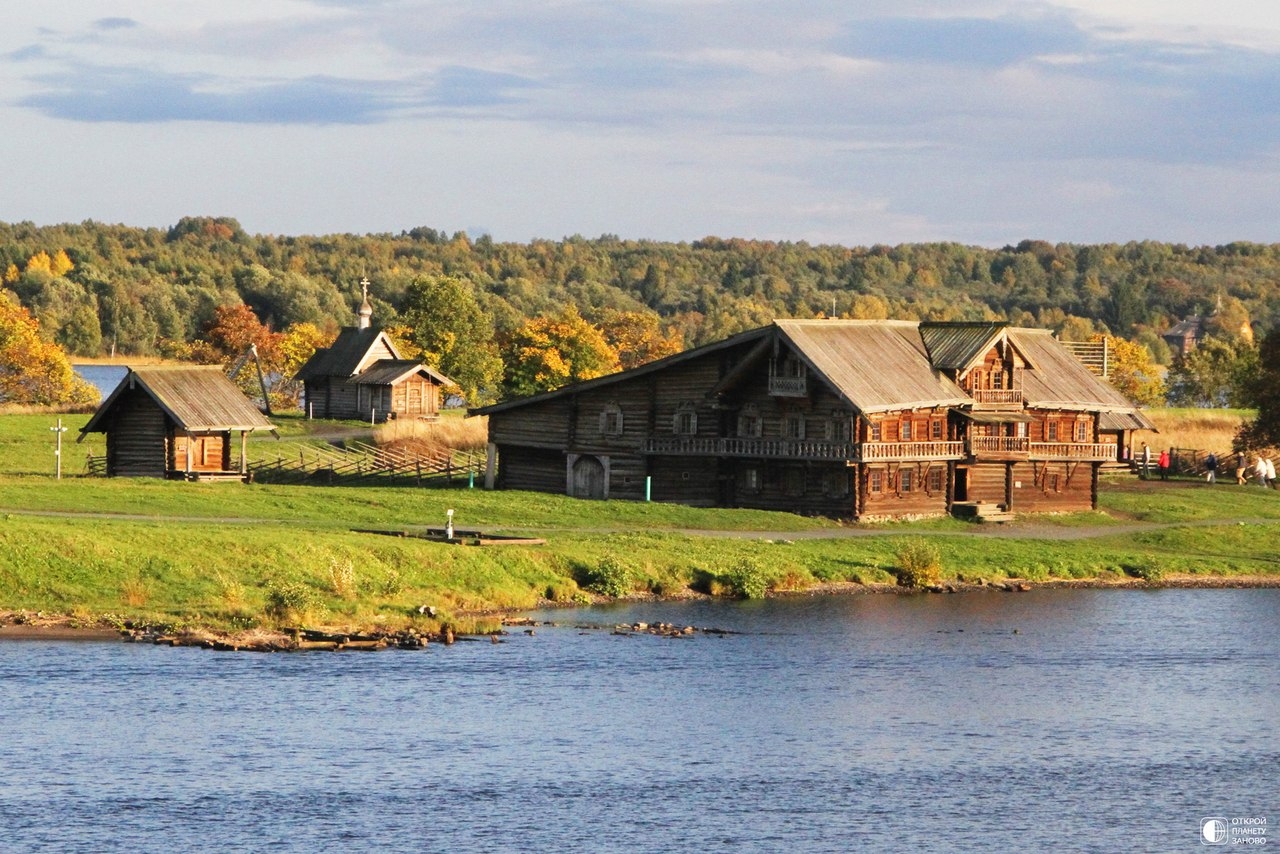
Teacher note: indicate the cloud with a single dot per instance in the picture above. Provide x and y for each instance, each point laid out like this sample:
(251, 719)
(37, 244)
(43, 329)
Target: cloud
(95, 94)
(115, 24)
(981, 42)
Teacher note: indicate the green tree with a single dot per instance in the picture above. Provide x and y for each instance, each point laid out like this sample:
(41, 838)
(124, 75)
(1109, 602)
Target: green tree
(1216, 373)
(1264, 393)
(454, 333)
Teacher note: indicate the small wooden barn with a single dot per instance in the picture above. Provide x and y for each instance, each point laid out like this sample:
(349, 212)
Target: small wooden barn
(362, 376)
(176, 422)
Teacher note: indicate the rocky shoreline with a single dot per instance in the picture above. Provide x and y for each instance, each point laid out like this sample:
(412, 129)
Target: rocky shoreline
(29, 625)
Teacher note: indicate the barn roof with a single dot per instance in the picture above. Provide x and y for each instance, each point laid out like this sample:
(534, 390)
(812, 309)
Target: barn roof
(875, 365)
(1125, 421)
(345, 356)
(392, 371)
(196, 398)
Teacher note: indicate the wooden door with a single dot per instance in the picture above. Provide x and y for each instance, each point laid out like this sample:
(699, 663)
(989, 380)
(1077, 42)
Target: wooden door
(588, 478)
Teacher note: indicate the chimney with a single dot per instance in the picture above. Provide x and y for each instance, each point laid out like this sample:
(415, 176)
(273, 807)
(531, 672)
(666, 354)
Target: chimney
(364, 317)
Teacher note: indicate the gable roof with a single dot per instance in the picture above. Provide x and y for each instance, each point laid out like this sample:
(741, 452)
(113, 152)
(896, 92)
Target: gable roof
(197, 399)
(885, 365)
(874, 365)
(391, 371)
(1059, 380)
(346, 355)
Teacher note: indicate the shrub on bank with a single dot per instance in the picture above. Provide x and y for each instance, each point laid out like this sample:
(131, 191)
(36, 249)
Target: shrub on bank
(919, 564)
(610, 578)
(291, 601)
(746, 580)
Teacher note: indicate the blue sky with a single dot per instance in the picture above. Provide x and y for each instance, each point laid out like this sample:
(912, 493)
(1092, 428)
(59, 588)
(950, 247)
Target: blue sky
(851, 122)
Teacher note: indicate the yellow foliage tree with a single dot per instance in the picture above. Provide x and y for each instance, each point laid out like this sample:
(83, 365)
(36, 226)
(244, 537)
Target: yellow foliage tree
(33, 371)
(61, 263)
(40, 263)
(548, 352)
(12, 274)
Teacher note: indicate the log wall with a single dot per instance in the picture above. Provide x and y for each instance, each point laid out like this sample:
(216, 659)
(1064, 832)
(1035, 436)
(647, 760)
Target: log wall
(136, 437)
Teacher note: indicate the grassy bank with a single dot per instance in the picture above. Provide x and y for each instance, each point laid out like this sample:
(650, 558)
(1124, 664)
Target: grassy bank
(237, 557)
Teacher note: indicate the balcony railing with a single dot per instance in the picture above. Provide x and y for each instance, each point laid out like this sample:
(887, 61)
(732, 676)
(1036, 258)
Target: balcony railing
(734, 446)
(1085, 451)
(787, 386)
(979, 445)
(997, 396)
(878, 451)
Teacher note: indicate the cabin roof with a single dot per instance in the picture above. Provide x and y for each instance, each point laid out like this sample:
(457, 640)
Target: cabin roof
(345, 356)
(1125, 421)
(197, 399)
(875, 365)
(392, 371)
(885, 365)
(1059, 380)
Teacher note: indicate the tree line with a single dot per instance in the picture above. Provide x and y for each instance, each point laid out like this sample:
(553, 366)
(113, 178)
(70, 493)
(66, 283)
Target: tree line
(511, 318)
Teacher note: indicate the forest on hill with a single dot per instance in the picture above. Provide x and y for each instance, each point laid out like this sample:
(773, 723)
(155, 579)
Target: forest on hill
(96, 288)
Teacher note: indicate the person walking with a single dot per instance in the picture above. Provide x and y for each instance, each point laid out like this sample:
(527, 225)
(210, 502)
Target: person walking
(1146, 462)
(1242, 469)
(1271, 473)
(1211, 468)
(1163, 465)
(1260, 470)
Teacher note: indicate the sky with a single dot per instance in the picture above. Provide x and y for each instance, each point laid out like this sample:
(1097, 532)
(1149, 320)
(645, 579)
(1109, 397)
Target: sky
(853, 122)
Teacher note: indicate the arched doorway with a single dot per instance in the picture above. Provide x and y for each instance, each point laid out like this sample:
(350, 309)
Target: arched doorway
(588, 477)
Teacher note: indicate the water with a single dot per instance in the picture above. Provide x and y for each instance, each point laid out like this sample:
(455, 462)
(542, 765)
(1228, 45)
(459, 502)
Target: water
(1108, 721)
(104, 378)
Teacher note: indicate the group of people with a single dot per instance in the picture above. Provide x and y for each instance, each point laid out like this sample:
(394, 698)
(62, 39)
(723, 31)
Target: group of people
(1263, 468)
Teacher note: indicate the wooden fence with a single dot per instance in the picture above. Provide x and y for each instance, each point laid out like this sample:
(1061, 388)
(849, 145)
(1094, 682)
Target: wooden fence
(358, 463)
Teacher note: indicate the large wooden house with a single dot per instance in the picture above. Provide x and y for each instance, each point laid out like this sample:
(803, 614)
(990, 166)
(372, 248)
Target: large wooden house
(176, 422)
(850, 419)
(363, 376)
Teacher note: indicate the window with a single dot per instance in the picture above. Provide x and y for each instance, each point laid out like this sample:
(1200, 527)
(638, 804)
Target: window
(793, 367)
(838, 430)
(997, 379)
(793, 482)
(750, 479)
(906, 430)
(905, 481)
(875, 431)
(934, 482)
(1082, 431)
(686, 420)
(1020, 430)
(749, 421)
(876, 481)
(611, 420)
(836, 483)
(1051, 431)
(793, 426)
(935, 428)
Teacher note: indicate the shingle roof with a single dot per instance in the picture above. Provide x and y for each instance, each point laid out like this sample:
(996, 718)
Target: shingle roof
(875, 365)
(1059, 380)
(391, 371)
(956, 346)
(343, 357)
(197, 398)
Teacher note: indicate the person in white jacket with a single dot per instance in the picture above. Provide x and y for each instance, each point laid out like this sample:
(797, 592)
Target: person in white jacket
(1271, 473)
(1260, 470)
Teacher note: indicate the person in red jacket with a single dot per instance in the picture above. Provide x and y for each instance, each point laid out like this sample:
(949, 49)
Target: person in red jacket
(1163, 465)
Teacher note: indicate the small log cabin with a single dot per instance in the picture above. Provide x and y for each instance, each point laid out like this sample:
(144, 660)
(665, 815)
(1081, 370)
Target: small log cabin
(843, 418)
(176, 422)
(362, 376)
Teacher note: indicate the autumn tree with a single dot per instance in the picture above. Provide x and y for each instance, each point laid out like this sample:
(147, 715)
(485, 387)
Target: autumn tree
(1216, 373)
(1264, 393)
(454, 334)
(1132, 371)
(34, 371)
(637, 337)
(549, 352)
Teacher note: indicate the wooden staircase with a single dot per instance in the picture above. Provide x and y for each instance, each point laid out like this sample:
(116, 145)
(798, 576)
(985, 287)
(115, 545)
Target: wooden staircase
(981, 512)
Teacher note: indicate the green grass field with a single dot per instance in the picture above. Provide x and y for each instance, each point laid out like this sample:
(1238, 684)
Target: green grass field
(214, 555)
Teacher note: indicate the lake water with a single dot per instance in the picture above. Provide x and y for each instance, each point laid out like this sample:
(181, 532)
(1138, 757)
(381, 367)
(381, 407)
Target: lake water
(1051, 720)
(104, 378)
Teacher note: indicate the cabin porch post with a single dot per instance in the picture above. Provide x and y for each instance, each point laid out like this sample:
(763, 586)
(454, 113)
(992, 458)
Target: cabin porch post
(490, 464)
(187, 433)
(244, 467)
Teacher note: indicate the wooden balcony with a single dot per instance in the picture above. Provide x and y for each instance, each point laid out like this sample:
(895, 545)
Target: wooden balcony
(998, 447)
(996, 398)
(887, 451)
(787, 386)
(1082, 451)
(734, 446)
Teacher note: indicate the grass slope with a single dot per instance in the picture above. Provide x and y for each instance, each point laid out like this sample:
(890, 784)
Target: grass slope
(216, 554)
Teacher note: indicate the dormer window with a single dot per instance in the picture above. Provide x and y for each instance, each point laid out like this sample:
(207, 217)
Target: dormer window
(787, 377)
